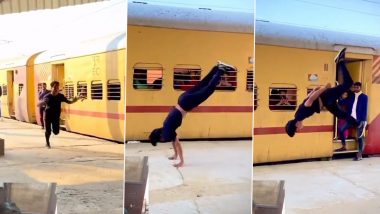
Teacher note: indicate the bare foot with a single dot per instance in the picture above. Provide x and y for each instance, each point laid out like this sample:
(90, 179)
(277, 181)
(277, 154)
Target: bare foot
(180, 164)
(172, 157)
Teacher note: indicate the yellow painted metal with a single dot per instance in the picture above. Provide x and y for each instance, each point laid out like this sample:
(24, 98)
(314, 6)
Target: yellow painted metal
(276, 64)
(170, 47)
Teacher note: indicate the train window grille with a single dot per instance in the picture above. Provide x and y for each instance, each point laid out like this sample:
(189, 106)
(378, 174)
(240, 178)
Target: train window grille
(283, 97)
(69, 90)
(255, 98)
(249, 86)
(228, 81)
(5, 90)
(96, 90)
(147, 76)
(186, 76)
(113, 90)
(82, 89)
(20, 87)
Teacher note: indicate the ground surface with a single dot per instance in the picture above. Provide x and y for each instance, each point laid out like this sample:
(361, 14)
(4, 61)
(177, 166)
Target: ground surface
(338, 186)
(88, 171)
(216, 177)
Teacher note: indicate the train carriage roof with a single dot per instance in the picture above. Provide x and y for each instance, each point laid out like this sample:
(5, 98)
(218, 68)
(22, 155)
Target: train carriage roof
(107, 43)
(210, 19)
(311, 38)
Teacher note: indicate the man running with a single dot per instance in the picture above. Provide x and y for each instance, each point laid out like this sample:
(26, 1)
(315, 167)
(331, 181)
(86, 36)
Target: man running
(186, 102)
(53, 101)
(324, 96)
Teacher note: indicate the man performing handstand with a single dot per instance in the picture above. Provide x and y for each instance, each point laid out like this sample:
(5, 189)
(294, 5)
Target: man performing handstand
(186, 102)
(52, 101)
(324, 96)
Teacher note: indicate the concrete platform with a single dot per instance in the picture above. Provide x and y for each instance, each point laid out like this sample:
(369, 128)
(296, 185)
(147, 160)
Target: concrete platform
(216, 177)
(338, 186)
(88, 171)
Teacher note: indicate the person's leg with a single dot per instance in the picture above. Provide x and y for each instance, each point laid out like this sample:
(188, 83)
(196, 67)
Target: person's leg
(180, 154)
(48, 124)
(175, 156)
(42, 117)
(55, 124)
(193, 98)
(341, 131)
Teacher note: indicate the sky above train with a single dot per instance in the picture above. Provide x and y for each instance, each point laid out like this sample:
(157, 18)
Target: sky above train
(353, 16)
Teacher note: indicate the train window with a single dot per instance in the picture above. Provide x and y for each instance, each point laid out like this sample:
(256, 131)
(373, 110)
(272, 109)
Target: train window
(69, 90)
(82, 89)
(113, 90)
(5, 90)
(186, 76)
(20, 87)
(96, 90)
(249, 86)
(256, 97)
(147, 76)
(228, 81)
(282, 97)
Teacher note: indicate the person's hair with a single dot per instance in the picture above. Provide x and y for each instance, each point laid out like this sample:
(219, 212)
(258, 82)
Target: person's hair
(358, 84)
(52, 84)
(291, 128)
(44, 83)
(155, 136)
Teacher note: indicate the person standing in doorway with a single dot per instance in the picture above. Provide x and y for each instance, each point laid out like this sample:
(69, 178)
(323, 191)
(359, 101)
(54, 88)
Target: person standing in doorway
(359, 110)
(41, 96)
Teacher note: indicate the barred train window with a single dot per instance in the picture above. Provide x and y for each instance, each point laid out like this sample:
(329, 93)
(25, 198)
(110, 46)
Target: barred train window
(228, 81)
(96, 90)
(82, 89)
(249, 86)
(5, 90)
(69, 90)
(147, 76)
(282, 97)
(186, 76)
(20, 87)
(113, 90)
(255, 99)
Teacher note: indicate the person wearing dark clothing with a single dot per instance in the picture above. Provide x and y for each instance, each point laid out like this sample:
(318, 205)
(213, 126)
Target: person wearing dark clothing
(325, 96)
(358, 103)
(41, 96)
(53, 101)
(188, 100)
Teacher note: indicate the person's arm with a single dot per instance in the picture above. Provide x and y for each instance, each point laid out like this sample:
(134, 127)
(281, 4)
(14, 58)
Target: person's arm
(315, 94)
(64, 99)
(180, 153)
(175, 156)
(43, 102)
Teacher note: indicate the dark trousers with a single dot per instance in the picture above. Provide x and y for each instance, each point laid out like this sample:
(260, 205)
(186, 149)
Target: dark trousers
(358, 132)
(200, 92)
(330, 96)
(42, 112)
(51, 123)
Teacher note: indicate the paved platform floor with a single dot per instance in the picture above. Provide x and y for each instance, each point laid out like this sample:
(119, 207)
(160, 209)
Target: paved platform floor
(329, 187)
(88, 171)
(216, 178)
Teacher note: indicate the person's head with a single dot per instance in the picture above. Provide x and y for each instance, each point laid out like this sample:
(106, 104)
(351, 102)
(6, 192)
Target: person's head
(44, 86)
(155, 136)
(357, 87)
(345, 95)
(292, 127)
(54, 87)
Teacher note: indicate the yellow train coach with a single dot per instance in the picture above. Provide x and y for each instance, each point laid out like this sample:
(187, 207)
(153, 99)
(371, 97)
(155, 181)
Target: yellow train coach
(291, 61)
(95, 69)
(169, 53)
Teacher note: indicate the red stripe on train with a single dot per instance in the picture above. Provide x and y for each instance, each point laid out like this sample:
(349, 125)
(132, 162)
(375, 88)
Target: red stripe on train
(94, 114)
(201, 109)
(281, 130)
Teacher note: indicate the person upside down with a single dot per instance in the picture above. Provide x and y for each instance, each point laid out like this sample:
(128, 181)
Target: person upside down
(187, 101)
(325, 96)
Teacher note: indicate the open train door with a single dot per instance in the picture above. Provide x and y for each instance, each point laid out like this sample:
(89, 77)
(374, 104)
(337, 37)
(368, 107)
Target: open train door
(357, 72)
(58, 74)
(10, 89)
